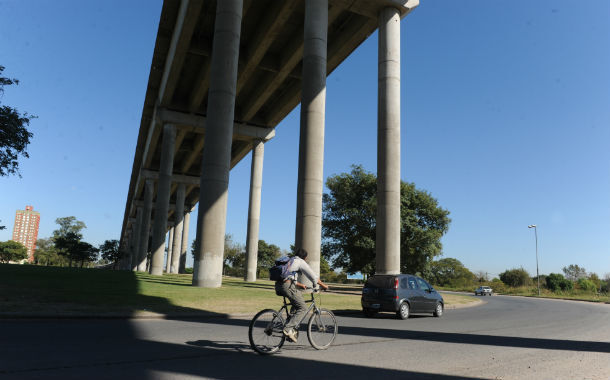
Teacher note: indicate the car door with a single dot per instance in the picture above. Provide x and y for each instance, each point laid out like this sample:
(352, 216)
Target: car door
(429, 298)
(415, 295)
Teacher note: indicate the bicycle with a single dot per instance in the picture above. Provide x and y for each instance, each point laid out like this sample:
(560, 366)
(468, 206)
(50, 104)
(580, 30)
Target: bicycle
(266, 328)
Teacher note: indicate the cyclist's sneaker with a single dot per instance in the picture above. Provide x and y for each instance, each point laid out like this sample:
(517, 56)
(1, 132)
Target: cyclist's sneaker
(291, 334)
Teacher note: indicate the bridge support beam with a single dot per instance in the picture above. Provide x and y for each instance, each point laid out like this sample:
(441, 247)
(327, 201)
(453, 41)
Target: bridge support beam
(388, 144)
(135, 241)
(162, 202)
(173, 263)
(254, 211)
(311, 144)
(145, 225)
(185, 240)
(170, 249)
(211, 219)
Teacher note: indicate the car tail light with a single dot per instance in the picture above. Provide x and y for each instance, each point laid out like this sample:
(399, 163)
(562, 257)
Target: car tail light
(396, 288)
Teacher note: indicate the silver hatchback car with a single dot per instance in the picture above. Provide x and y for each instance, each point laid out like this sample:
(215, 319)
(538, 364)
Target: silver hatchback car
(483, 291)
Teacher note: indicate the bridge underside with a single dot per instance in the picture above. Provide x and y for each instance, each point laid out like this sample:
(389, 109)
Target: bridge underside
(268, 86)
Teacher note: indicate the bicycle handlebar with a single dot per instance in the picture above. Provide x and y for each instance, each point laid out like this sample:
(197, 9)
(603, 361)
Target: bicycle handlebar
(315, 290)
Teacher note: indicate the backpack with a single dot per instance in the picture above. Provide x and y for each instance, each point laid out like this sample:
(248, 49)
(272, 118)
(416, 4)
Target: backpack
(281, 270)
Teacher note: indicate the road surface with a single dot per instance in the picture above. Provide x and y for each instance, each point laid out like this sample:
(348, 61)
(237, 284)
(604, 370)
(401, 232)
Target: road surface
(505, 338)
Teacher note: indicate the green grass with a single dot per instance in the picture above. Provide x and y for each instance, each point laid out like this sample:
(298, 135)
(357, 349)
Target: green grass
(56, 291)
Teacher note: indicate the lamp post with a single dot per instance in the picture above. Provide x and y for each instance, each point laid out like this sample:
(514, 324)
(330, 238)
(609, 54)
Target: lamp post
(537, 274)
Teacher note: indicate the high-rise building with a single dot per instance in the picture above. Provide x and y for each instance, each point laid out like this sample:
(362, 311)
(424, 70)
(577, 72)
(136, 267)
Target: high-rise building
(25, 230)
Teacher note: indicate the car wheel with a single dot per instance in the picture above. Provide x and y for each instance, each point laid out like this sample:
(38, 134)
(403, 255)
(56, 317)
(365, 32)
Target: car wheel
(369, 313)
(403, 311)
(438, 312)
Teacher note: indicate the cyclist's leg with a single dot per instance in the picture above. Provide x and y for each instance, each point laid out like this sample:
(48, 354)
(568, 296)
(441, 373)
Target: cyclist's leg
(289, 290)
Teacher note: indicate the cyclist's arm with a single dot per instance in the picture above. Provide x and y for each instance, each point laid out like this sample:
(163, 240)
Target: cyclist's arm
(303, 286)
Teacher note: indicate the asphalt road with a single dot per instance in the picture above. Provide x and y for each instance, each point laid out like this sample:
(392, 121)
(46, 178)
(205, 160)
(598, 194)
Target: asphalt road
(505, 338)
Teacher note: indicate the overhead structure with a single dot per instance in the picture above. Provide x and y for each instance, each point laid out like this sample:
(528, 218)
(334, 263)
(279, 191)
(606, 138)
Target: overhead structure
(225, 73)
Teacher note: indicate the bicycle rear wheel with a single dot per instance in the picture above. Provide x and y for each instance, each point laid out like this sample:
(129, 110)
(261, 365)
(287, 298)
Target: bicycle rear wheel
(322, 329)
(265, 332)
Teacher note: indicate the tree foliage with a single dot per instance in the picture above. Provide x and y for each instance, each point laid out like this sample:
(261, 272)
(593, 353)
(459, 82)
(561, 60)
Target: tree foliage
(68, 242)
(573, 272)
(111, 252)
(449, 272)
(235, 255)
(349, 223)
(515, 277)
(556, 281)
(586, 285)
(14, 136)
(46, 253)
(267, 254)
(69, 224)
(12, 251)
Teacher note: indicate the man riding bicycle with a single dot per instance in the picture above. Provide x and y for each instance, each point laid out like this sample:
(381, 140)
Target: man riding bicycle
(288, 288)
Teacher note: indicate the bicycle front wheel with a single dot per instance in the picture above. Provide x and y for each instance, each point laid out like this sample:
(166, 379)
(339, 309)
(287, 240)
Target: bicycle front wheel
(322, 329)
(266, 332)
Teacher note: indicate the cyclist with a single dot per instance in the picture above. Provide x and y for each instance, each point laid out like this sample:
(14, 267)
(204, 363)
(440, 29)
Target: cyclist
(288, 289)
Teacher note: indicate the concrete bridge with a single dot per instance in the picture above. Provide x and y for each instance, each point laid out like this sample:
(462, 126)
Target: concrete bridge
(224, 74)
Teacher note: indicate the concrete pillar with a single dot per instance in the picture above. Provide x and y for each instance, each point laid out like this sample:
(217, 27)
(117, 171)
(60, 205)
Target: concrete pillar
(174, 264)
(135, 257)
(388, 144)
(126, 249)
(214, 184)
(170, 250)
(162, 204)
(254, 211)
(185, 241)
(149, 188)
(311, 146)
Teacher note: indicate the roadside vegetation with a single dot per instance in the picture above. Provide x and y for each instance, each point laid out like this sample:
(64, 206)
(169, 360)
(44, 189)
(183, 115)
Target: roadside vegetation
(575, 283)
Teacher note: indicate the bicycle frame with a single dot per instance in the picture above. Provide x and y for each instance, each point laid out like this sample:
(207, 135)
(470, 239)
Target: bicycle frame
(312, 306)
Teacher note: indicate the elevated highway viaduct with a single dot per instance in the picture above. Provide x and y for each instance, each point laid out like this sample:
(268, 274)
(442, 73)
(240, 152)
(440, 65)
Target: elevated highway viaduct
(223, 75)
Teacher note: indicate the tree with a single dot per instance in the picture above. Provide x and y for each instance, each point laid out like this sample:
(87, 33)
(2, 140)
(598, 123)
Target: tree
(85, 253)
(110, 252)
(67, 245)
(14, 136)
(12, 251)
(556, 281)
(349, 223)
(573, 272)
(68, 236)
(69, 224)
(46, 253)
(267, 254)
(482, 276)
(449, 272)
(234, 257)
(515, 277)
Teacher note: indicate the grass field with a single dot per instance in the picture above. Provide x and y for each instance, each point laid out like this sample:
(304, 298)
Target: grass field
(28, 289)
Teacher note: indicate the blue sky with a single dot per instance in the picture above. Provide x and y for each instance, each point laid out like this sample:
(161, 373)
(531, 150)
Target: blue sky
(505, 120)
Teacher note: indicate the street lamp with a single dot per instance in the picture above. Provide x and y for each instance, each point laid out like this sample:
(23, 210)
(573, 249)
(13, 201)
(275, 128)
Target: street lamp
(537, 274)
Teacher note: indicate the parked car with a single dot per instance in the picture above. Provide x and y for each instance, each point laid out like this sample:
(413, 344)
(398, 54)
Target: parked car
(402, 294)
(483, 291)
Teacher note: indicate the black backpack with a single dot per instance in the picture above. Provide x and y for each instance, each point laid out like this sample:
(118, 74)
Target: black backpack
(281, 270)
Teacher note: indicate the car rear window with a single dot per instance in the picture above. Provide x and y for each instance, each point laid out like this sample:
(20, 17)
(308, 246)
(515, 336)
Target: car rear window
(383, 282)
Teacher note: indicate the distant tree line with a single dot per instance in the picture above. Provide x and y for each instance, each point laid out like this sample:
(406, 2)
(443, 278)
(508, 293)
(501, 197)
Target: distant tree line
(65, 247)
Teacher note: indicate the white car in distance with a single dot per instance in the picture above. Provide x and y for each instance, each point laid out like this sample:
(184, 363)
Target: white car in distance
(483, 291)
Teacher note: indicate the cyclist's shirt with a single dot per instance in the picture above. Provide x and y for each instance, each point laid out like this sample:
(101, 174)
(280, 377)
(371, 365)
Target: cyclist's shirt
(300, 266)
